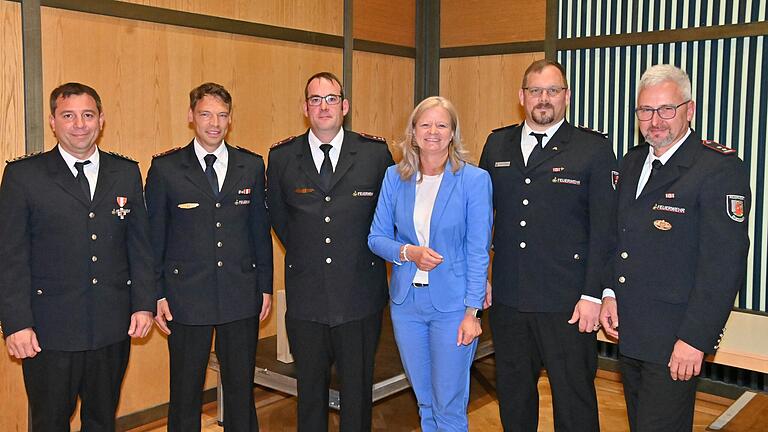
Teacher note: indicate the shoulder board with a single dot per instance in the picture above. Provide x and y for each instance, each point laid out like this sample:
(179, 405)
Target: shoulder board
(281, 142)
(26, 156)
(712, 145)
(373, 137)
(594, 132)
(636, 147)
(122, 156)
(245, 150)
(167, 152)
(506, 127)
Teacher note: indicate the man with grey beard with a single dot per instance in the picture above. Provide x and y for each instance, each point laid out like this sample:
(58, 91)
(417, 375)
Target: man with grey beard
(554, 196)
(681, 256)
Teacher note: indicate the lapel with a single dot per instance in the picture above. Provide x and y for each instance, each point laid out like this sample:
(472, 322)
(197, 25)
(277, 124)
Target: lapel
(63, 177)
(235, 170)
(554, 146)
(630, 175)
(307, 164)
(675, 167)
(515, 151)
(447, 184)
(409, 198)
(106, 178)
(346, 158)
(192, 170)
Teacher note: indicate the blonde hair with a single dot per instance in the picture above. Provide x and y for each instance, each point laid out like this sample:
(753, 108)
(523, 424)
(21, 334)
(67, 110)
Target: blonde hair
(410, 163)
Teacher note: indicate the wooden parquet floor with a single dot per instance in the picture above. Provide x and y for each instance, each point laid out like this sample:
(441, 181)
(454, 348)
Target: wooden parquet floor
(398, 413)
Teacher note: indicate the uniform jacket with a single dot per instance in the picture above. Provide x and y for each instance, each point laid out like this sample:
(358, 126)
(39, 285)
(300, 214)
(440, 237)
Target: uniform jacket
(331, 276)
(555, 219)
(213, 256)
(460, 231)
(682, 249)
(73, 271)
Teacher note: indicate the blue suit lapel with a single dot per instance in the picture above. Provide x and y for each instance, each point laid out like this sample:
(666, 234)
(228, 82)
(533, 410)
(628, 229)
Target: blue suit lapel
(409, 198)
(447, 185)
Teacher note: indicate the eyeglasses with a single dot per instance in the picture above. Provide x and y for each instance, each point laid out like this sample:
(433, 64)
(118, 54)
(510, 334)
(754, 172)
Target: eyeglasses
(665, 112)
(331, 99)
(538, 91)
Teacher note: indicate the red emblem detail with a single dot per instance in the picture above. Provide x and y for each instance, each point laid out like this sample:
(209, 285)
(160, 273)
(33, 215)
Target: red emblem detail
(122, 201)
(669, 195)
(735, 207)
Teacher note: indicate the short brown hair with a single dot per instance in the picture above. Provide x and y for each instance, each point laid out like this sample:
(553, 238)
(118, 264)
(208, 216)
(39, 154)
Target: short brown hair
(327, 76)
(539, 65)
(73, 89)
(209, 89)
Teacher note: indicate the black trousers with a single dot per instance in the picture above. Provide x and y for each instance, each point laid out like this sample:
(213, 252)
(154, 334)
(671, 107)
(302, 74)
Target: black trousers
(352, 348)
(54, 380)
(189, 347)
(655, 402)
(524, 342)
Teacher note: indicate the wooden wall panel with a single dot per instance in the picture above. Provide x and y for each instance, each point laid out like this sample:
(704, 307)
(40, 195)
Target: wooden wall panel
(383, 95)
(13, 415)
(483, 22)
(485, 92)
(389, 21)
(144, 73)
(323, 16)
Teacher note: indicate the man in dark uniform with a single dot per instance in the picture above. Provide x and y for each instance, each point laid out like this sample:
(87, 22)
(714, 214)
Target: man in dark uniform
(322, 192)
(76, 274)
(213, 260)
(555, 209)
(681, 256)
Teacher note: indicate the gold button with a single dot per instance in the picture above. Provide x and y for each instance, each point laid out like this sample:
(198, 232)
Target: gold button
(624, 255)
(622, 279)
(91, 215)
(220, 264)
(94, 258)
(94, 236)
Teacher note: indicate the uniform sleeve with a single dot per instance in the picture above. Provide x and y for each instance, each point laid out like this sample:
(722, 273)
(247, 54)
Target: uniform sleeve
(157, 210)
(140, 250)
(602, 220)
(722, 257)
(15, 274)
(278, 210)
(260, 232)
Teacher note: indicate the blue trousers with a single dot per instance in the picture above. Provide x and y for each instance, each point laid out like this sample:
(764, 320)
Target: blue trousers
(437, 369)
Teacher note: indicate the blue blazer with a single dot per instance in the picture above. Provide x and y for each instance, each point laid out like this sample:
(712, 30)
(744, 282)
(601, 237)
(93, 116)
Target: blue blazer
(460, 231)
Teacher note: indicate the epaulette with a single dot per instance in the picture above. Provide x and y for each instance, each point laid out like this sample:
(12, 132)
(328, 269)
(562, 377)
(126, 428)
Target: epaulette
(506, 127)
(26, 156)
(281, 142)
(717, 147)
(167, 152)
(245, 150)
(373, 137)
(122, 156)
(594, 132)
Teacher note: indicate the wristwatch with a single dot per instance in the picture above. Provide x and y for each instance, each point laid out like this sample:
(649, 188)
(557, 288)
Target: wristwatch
(475, 312)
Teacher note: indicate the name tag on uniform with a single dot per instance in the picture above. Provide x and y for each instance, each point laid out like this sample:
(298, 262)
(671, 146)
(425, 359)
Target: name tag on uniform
(671, 209)
(561, 180)
(242, 202)
(502, 164)
(303, 190)
(362, 194)
(187, 206)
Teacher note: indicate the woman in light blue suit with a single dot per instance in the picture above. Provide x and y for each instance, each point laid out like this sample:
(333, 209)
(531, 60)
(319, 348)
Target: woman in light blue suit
(433, 222)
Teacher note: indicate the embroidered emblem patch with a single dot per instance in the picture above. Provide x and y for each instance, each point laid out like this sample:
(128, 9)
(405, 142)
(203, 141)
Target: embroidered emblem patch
(734, 205)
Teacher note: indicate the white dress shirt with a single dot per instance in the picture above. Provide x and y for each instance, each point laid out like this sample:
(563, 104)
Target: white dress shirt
(91, 170)
(528, 142)
(645, 174)
(426, 193)
(220, 165)
(318, 155)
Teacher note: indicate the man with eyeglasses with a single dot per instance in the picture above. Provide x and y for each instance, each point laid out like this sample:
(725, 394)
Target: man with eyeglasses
(554, 196)
(213, 262)
(322, 188)
(681, 256)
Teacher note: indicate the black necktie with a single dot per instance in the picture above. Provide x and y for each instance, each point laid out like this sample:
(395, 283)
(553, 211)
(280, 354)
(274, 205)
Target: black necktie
(655, 167)
(537, 149)
(326, 169)
(213, 179)
(82, 180)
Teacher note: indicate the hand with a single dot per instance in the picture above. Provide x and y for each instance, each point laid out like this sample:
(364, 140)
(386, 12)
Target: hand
(163, 316)
(141, 324)
(488, 295)
(609, 317)
(685, 361)
(469, 329)
(587, 314)
(425, 258)
(266, 306)
(23, 344)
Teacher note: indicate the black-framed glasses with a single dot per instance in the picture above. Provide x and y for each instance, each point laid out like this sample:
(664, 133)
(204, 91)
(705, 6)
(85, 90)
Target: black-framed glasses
(331, 99)
(538, 91)
(665, 112)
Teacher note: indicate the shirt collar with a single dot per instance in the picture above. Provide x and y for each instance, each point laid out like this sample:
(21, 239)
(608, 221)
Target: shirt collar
(70, 160)
(220, 152)
(667, 154)
(550, 131)
(314, 141)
